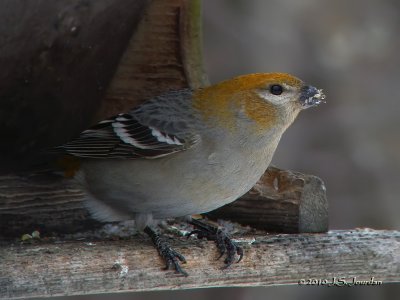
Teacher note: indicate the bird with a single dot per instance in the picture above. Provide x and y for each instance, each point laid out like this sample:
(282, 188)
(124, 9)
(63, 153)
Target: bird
(187, 152)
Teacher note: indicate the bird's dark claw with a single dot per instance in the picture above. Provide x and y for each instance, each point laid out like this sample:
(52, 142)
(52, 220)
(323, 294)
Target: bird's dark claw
(170, 256)
(226, 245)
(223, 241)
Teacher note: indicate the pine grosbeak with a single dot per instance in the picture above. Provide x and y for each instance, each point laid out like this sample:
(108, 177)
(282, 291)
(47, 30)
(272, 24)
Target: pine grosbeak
(187, 152)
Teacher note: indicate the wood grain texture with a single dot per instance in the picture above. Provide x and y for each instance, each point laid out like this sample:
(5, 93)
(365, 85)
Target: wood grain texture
(76, 268)
(165, 53)
(44, 203)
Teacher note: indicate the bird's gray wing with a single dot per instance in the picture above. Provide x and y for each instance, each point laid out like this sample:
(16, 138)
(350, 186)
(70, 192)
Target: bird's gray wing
(125, 136)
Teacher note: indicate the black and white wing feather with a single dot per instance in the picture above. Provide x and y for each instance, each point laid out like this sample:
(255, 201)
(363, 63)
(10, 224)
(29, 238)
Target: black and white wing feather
(123, 136)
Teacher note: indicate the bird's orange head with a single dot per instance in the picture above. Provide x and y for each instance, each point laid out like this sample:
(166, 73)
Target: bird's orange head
(265, 99)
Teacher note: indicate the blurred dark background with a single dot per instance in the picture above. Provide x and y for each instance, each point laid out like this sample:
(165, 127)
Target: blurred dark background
(350, 49)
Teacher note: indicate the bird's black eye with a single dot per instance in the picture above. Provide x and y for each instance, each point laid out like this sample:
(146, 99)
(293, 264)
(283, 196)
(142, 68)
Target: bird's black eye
(276, 89)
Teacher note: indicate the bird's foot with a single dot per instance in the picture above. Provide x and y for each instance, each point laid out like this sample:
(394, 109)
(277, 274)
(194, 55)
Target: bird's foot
(170, 256)
(223, 241)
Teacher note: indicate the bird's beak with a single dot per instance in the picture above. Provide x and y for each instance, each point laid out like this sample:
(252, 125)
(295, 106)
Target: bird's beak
(311, 96)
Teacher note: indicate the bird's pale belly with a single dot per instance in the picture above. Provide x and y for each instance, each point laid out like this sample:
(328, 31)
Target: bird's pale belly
(193, 189)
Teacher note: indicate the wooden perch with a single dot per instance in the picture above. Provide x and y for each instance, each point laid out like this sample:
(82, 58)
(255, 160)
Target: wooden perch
(83, 267)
